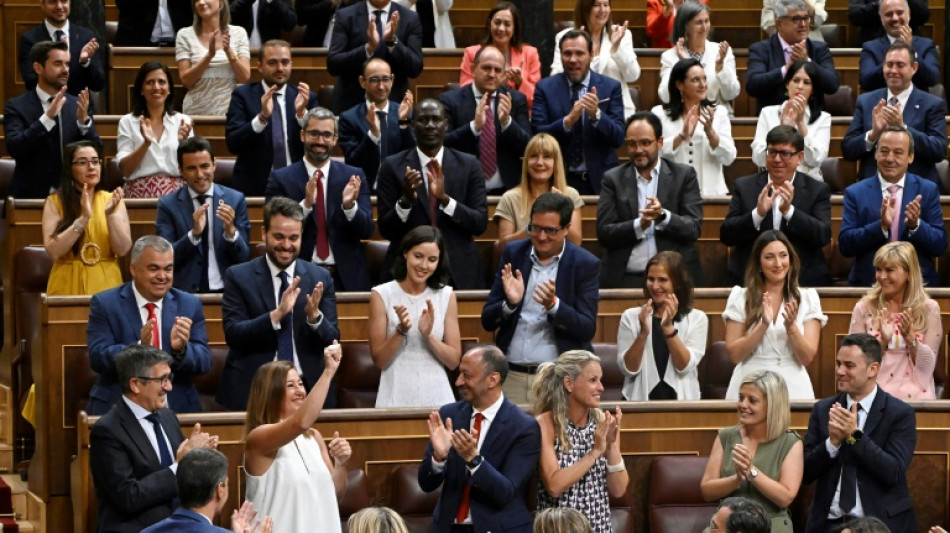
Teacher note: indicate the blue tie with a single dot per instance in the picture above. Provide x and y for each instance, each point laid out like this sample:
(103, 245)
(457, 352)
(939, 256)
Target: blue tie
(285, 337)
(203, 285)
(277, 135)
(379, 27)
(576, 151)
(58, 36)
(164, 456)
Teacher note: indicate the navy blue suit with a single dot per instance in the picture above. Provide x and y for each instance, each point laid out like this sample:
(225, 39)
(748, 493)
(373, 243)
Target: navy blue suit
(185, 521)
(272, 17)
(38, 152)
(552, 102)
(249, 297)
(348, 53)
(255, 152)
(577, 292)
(924, 118)
(499, 486)
(360, 151)
(881, 458)
(764, 78)
(175, 218)
(345, 235)
(509, 144)
(116, 322)
(80, 77)
(872, 63)
(861, 233)
(465, 183)
(133, 489)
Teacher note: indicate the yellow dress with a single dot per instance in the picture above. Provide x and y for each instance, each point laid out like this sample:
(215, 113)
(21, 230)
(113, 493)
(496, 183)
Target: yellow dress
(70, 275)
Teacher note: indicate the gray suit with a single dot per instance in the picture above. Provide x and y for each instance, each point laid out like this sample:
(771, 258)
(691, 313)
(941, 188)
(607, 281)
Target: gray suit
(677, 191)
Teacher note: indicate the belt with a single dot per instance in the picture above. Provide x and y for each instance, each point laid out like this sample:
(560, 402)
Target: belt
(524, 369)
(330, 268)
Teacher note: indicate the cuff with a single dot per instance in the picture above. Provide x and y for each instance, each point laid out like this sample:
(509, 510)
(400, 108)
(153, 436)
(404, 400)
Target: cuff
(233, 238)
(47, 122)
(666, 220)
(351, 212)
(257, 125)
(638, 229)
(832, 451)
(868, 143)
(374, 138)
(316, 324)
(756, 219)
(471, 126)
(450, 208)
(306, 210)
(437, 467)
(194, 240)
(791, 211)
(402, 212)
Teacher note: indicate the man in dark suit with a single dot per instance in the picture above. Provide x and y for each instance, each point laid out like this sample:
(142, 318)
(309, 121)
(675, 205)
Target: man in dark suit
(39, 123)
(207, 222)
(489, 121)
(438, 186)
(394, 33)
(769, 59)
(335, 201)
(138, 443)
(784, 199)
(544, 298)
(378, 127)
(865, 15)
(87, 70)
(148, 310)
(583, 111)
(895, 16)
(151, 22)
(276, 308)
(894, 205)
(202, 479)
(257, 111)
(318, 17)
(646, 206)
(483, 469)
(900, 104)
(859, 446)
(263, 19)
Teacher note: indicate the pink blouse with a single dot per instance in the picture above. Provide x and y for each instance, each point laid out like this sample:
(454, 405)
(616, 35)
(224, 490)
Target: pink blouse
(526, 58)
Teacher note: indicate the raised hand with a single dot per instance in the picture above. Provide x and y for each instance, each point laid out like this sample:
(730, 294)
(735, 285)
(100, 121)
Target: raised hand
(184, 129)
(513, 284)
(225, 214)
(242, 519)
(313, 303)
(427, 319)
(616, 35)
(148, 133)
(766, 198)
(741, 460)
(302, 99)
(790, 314)
(878, 122)
(440, 436)
(82, 106)
(645, 317)
(484, 105)
(372, 36)
(651, 212)
(504, 108)
(912, 213)
(768, 308)
(787, 193)
(799, 52)
(888, 212)
(690, 120)
(181, 333)
(405, 107)
(545, 295)
(214, 43)
(706, 119)
(893, 115)
(681, 51)
(288, 299)
(437, 184)
(410, 184)
(721, 56)
(117, 195)
(842, 422)
(590, 103)
(200, 218)
(197, 439)
(351, 191)
(906, 34)
(905, 323)
(85, 201)
(267, 102)
(390, 30)
(613, 431)
(600, 436)
(670, 308)
(145, 335)
(339, 449)
(405, 321)
(91, 48)
(513, 76)
(57, 104)
(465, 443)
(332, 355)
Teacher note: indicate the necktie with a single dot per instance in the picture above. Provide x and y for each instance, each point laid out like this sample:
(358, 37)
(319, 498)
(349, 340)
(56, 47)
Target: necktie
(383, 134)
(894, 190)
(156, 337)
(320, 218)
(379, 26)
(59, 130)
(205, 236)
(788, 53)
(893, 101)
(433, 202)
(164, 456)
(59, 36)
(277, 135)
(577, 132)
(285, 337)
(462, 513)
(486, 152)
(849, 480)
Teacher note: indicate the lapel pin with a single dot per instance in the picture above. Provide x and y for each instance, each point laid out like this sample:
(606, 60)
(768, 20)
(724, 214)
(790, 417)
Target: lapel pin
(220, 201)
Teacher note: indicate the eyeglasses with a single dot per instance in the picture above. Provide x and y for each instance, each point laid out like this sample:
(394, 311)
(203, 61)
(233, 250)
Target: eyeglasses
(800, 19)
(317, 134)
(161, 380)
(536, 230)
(784, 155)
(643, 143)
(380, 79)
(83, 162)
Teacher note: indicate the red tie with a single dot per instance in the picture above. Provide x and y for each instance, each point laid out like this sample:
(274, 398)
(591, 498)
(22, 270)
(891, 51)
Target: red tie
(156, 338)
(462, 513)
(433, 202)
(323, 243)
(486, 150)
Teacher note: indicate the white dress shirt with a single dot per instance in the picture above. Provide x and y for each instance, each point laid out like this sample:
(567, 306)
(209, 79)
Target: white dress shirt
(835, 510)
(140, 302)
(448, 209)
(149, 429)
(348, 213)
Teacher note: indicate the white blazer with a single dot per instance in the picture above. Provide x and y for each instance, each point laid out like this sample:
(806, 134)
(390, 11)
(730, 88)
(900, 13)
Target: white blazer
(638, 384)
(816, 142)
(697, 153)
(722, 86)
(444, 37)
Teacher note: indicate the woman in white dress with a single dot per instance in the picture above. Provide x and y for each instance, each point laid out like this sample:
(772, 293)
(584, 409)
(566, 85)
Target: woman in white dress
(292, 475)
(213, 58)
(413, 325)
(803, 110)
(148, 136)
(690, 33)
(613, 54)
(772, 323)
(663, 367)
(696, 131)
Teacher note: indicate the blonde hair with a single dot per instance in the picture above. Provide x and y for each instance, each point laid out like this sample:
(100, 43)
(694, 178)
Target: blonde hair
(901, 254)
(548, 146)
(777, 412)
(552, 394)
(268, 390)
(561, 520)
(224, 18)
(755, 279)
(376, 520)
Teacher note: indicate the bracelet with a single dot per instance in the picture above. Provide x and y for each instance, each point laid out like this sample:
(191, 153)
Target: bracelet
(671, 335)
(400, 331)
(77, 227)
(619, 467)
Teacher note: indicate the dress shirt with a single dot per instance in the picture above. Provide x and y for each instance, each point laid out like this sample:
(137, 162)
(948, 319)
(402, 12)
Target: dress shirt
(489, 415)
(902, 98)
(140, 414)
(646, 248)
(50, 123)
(53, 29)
(258, 125)
(533, 340)
(449, 208)
(494, 181)
(349, 213)
(275, 279)
(835, 511)
(164, 30)
(787, 51)
(585, 86)
(900, 198)
(161, 158)
(215, 279)
(777, 215)
(140, 302)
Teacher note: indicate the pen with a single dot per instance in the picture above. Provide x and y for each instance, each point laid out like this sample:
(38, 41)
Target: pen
(604, 100)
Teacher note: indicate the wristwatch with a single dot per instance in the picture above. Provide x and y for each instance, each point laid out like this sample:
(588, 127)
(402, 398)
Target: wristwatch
(392, 43)
(753, 473)
(477, 460)
(855, 436)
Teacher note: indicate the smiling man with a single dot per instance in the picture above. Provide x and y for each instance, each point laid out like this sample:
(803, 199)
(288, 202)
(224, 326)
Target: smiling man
(87, 70)
(895, 18)
(147, 310)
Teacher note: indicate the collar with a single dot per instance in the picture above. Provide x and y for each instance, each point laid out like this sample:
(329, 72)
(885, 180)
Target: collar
(290, 270)
(784, 44)
(557, 258)
(902, 96)
(654, 173)
(194, 195)
(584, 82)
(385, 108)
(43, 95)
(478, 94)
(867, 402)
(280, 90)
(311, 168)
(424, 159)
(140, 300)
(138, 411)
(885, 184)
(491, 411)
(370, 8)
(52, 29)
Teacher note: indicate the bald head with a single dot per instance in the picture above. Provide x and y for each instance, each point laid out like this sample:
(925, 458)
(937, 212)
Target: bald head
(488, 69)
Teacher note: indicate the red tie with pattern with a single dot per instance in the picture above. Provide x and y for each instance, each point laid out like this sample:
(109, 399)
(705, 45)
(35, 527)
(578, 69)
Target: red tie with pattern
(462, 513)
(433, 201)
(156, 337)
(486, 149)
(320, 212)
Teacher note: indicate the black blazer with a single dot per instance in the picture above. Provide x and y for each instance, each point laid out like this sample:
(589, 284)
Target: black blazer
(316, 16)
(359, 150)
(93, 76)
(764, 78)
(348, 53)
(134, 491)
(882, 458)
(345, 235)
(137, 20)
(255, 152)
(39, 153)
(809, 229)
(677, 190)
(465, 183)
(509, 144)
(248, 299)
(272, 17)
